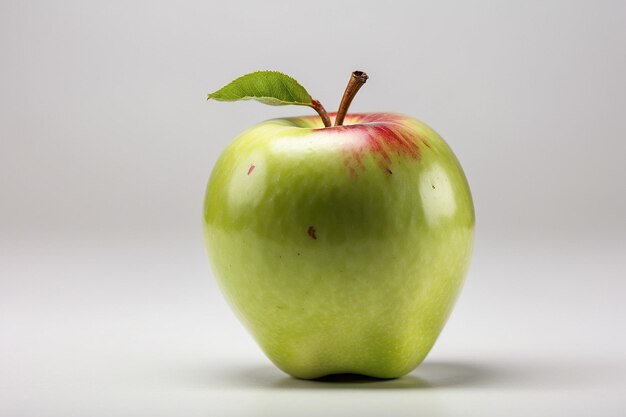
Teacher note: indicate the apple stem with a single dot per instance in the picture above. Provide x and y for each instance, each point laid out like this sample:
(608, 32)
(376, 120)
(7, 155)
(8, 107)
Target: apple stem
(317, 106)
(357, 79)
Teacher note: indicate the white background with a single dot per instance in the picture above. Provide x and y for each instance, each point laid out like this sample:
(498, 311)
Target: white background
(107, 303)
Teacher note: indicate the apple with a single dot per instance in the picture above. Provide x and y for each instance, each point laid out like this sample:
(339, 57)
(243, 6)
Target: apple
(342, 249)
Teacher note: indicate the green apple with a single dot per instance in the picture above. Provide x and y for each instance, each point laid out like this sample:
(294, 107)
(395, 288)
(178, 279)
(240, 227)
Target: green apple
(342, 249)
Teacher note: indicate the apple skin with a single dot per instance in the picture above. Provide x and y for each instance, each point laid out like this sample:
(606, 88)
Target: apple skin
(343, 249)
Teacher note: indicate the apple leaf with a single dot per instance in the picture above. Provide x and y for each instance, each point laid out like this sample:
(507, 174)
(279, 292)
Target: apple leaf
(268, 87)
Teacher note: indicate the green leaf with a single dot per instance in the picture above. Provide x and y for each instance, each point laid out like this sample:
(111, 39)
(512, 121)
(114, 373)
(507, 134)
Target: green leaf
(269, 87)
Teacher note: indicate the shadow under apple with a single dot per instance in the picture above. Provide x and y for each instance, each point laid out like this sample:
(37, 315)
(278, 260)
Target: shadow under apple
(429, 375)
